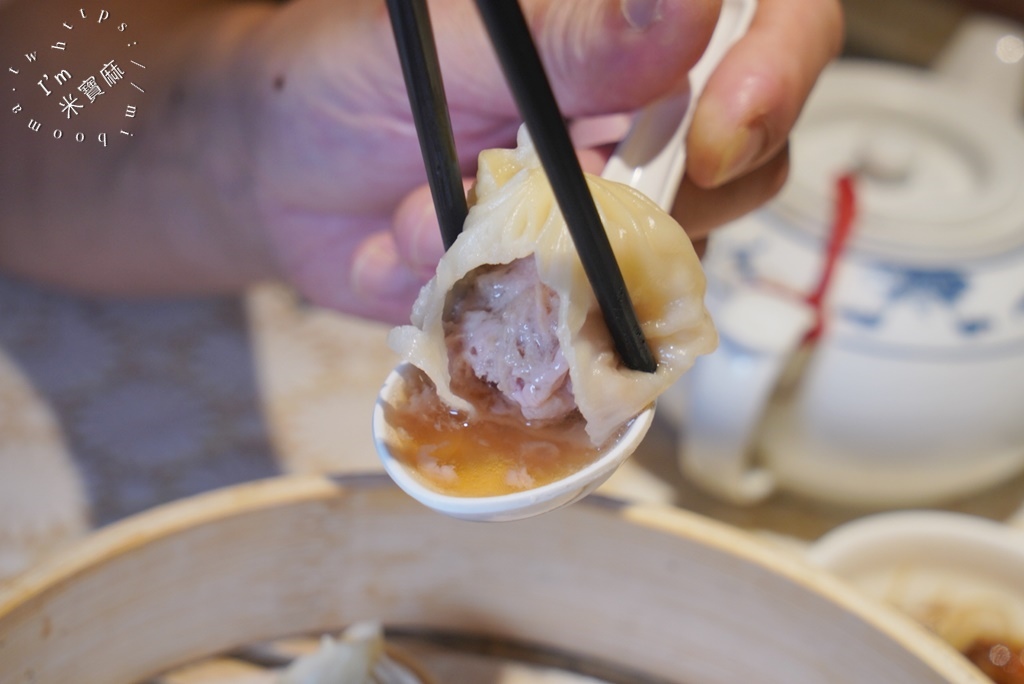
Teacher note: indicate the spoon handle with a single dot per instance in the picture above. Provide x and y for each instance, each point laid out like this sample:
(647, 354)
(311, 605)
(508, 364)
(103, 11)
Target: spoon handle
(652, 156)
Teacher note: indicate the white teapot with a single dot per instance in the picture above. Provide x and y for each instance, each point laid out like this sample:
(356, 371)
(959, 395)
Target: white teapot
(914, 392)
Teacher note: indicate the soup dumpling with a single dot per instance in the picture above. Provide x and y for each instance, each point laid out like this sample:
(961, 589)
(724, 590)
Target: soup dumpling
(510, 310)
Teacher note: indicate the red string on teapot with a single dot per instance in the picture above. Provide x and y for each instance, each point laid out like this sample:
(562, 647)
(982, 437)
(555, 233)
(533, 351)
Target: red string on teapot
(844, 215)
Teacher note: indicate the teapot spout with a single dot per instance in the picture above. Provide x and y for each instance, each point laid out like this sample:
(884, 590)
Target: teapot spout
(986, 56)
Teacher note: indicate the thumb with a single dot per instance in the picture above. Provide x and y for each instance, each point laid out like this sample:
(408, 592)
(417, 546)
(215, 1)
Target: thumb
(619, 55)
(601, 56)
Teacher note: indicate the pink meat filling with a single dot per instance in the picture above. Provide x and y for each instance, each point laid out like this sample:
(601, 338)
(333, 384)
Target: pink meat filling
(501, 329)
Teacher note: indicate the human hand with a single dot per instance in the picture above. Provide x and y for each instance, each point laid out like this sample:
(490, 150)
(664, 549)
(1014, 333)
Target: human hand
(737, 151)
(337, 148)
(278, 140)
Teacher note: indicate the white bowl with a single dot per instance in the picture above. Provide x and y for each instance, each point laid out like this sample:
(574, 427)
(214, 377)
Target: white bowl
(960, 575)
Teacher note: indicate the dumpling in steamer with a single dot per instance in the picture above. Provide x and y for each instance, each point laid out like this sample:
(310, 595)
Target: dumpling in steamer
(510, 309)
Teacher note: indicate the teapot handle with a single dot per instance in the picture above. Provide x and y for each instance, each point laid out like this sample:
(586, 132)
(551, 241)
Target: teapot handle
(986, 55)
(727, 392)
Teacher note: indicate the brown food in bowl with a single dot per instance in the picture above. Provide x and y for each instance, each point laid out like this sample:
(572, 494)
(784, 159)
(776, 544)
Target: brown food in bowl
(1001, 661)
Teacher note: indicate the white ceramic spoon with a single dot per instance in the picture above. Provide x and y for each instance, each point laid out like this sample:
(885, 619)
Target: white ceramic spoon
(651, 159)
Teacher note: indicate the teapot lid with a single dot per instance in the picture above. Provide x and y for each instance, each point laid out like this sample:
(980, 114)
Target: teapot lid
(939, 172)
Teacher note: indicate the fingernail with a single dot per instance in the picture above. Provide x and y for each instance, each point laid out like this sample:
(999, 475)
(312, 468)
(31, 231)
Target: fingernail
(744, 147)
(640, 14)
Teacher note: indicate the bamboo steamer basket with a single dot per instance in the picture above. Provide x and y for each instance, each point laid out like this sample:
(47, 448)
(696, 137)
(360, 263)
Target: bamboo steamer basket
(661, 592)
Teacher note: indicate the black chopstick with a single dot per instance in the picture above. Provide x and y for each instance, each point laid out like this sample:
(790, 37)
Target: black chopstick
(532, 91)
(414, 37)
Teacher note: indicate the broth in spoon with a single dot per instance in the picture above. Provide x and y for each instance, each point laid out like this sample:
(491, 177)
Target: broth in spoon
(493, 452)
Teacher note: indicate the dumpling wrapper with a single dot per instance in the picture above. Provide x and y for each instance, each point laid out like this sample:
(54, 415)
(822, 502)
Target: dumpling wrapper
(514, 215)
(349, 660)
